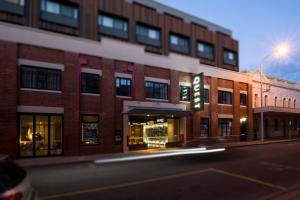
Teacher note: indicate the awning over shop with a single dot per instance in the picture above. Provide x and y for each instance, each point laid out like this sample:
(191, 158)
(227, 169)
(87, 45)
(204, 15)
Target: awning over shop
(158, 112)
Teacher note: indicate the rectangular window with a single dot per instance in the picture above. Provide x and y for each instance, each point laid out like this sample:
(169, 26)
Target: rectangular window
(206, 96)
(185, 93)
(156, 90)
(90, 83)
(12, 6)
(179, 44)
(204, 127)
(113, 26)
(123, 87)
(40, 78)
(243, 99)
(225, 97)
(90, 129)
(225, 126)
(57, 12)
(205, 50)
(230, 57)
(148, 35)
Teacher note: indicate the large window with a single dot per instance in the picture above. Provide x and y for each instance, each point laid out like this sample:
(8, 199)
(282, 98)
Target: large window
(206, 96)
(224, 97)
(123, 87)
(90, 129)
(113, 26)
(205, 50)
(243, 99)
(185, 93)
(230, 57)
(179, 44)
(40, 78)
(225, 126)
(40, 135)
(12, 6)
(156, 90)
(90, 83)
(61, 13)
(148, 35)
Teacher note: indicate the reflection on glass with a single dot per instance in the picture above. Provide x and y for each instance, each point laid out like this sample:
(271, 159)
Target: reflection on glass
(26, 135)
(56, 135)
(41, 135)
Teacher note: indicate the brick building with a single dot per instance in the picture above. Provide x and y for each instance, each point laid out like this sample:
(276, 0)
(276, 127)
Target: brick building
(83, 77)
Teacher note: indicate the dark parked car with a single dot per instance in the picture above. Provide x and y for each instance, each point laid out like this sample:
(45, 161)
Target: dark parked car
(14, 183)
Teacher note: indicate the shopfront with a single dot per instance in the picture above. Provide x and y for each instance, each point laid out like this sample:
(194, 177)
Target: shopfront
(40, 135)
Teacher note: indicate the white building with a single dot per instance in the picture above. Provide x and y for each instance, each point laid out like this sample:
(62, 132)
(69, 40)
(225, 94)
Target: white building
(280, 105)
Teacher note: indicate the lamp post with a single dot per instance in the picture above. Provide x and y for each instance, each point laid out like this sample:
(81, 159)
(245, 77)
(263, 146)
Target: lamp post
(279, 52)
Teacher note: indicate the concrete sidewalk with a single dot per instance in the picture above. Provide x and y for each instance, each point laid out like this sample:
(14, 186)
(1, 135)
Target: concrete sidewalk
(58, 160)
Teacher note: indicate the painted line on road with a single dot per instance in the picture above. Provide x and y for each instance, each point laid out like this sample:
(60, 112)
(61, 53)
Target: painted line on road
(123, 185)
(246, 178)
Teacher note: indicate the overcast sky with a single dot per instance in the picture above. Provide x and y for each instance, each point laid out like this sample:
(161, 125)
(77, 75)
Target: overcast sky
(258, 25)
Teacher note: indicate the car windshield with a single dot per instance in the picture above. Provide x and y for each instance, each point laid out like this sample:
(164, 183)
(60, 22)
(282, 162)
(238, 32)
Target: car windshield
(10, 175)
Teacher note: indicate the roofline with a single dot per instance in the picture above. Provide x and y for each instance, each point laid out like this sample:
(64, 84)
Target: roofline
(162, 8)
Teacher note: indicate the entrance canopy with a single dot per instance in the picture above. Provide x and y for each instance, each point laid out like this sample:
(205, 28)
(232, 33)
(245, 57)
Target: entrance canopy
(158, 112)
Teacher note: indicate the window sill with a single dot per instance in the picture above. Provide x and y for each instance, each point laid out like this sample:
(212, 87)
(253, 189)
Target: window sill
(243, 106)
(90, 94)
(40, 90)
(124, 97)
(59, 19)
(184, 101)
(152, 99)
(220, 104)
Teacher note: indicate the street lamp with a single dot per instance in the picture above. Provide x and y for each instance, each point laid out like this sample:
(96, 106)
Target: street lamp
(281, 51)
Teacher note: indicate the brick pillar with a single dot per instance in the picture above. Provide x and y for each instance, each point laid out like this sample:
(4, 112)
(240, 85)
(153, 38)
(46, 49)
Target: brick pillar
(174, 86)
(108, 104)
(71, 100)
(250, 112)
(139, 83)
(8, 98)
(236, 109)
(214, 107)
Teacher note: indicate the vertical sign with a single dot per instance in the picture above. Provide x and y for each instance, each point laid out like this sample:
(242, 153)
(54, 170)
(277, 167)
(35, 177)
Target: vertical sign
(198, 92)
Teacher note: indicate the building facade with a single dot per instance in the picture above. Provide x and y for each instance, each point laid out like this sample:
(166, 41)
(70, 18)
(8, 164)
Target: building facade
(280, 107)
(100, 76)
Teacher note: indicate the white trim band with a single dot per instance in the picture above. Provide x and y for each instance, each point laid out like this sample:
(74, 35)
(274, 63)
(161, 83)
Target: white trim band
(157, 80)
(91, 71)
(186, 84)
(225, 116)
(40, 109)
(123, 75)
(40, 64)
(225, 89)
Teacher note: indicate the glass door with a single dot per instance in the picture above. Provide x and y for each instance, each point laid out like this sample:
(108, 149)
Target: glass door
(26, 135)
(41, 135)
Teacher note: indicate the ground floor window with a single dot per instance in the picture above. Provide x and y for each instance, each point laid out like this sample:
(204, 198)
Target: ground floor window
(89, 129)
(204, 127)
(225, 127)
(40, 135)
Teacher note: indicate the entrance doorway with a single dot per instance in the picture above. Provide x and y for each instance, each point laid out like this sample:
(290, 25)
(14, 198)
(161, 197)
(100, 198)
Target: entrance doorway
(40, 135)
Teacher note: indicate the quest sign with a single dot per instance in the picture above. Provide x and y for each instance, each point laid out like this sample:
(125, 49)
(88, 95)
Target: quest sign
(198, 92)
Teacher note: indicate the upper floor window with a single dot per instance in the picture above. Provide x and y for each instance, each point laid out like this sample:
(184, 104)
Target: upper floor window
(205, 50)
(284, 102)
(275, 101)
(224, 97)
(289, 103)
(295, 101)
(206, 96)
(185, 93)
(57, 12)
(40, 78)
(156, 90)
(113, 26)
(123, 87)
(266, 100)
(148, 35)
(230, 57)
(12, 6)
(243, 99)
(256, 100)
(179, 44)
(90, 83)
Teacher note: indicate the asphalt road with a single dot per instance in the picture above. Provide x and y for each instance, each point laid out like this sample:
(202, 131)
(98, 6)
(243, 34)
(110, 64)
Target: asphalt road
(255, 172)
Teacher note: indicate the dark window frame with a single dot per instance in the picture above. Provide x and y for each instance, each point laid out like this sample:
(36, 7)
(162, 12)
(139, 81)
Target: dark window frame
(228, 61)
(225, 97)
(125, 86)
(90, 122)
(204, 56)
(206, 95)
(243, 99)
(179, 48)
(39, 71)
(13, 8)
(85, 88)
(145, 39)
(156, 94)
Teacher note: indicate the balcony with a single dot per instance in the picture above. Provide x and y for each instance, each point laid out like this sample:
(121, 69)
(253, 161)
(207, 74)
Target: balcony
(275, 109)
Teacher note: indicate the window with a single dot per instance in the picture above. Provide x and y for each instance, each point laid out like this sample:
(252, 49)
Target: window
(156, 90)
(256, 100)
(243, 99)
(89, 129)
(206, 96)
(185, 93)
(276, 124)
(179, 44)
(284, 102)
(224, 97)
(225, 126)
(57, 12)
(295, 101)
(266, 100)
(230, 57)
(90, 83)
(113, 26)
(123, 87)
(289, 103)
(147, 35)
(40, 78)
(12, 6)
(205, 50)
(275, 101)
(204, 127)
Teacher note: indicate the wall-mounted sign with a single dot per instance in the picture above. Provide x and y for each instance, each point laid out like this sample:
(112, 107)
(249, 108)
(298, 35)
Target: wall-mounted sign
(184, 93)
(198, 92)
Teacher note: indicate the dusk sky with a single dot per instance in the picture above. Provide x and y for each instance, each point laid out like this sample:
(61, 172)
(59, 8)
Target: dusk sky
(258, 25)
